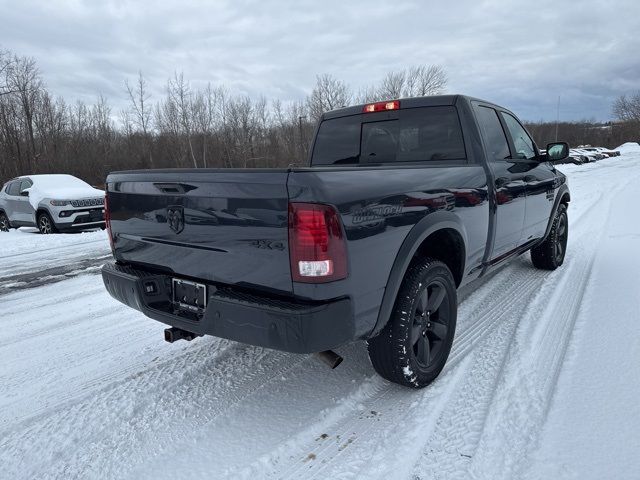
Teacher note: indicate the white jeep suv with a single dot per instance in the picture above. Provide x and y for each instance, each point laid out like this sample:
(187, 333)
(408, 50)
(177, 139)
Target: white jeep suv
(52, 203)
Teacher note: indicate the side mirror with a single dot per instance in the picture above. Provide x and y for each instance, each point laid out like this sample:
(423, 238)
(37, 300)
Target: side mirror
(24, 193)
(557, 151)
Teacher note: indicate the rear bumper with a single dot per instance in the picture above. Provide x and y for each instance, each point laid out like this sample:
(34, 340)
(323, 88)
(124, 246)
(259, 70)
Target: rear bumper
(282, 325)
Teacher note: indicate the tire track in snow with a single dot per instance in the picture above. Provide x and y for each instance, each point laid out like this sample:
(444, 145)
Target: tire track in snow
(47, 276)
(452, 451)
(48, 258)
(355, 427)
(369, 457)
(58, 249)
(454, 443)
(118, 415)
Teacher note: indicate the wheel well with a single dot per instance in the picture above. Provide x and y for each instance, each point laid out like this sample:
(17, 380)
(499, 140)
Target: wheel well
(40, 211)
(566, 198)
(447, 246)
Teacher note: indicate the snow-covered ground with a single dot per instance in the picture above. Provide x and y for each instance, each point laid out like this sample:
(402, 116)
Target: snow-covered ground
(542, 381)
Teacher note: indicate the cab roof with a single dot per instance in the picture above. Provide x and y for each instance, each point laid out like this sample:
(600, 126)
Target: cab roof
(428, 101)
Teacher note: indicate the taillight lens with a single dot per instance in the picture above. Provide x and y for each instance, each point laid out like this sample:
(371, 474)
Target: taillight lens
(317, 247)
(107, 220)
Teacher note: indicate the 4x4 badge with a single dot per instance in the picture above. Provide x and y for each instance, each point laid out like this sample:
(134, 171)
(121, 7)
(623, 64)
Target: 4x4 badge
(175, 217)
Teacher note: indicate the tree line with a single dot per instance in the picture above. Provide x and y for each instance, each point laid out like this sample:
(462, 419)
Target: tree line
(186, 127)
(197, 127)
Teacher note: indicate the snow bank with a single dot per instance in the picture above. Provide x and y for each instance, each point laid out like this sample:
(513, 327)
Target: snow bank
(629, 147)
(60, 187)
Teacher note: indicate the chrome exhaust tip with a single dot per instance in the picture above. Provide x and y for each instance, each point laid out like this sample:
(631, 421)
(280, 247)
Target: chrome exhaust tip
(329, 357)
(174, 334)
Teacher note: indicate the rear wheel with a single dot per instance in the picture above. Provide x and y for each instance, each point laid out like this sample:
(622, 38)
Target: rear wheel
(550, 254)
(4, 223)
(414, 345)
(45, 224)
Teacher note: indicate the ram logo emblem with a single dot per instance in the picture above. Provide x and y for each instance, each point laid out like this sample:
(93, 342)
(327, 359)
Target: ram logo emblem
(175, 217)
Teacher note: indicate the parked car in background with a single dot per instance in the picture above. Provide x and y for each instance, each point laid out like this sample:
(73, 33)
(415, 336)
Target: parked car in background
(52, 203)
(574, 159)
(587, 157)
(602, 151)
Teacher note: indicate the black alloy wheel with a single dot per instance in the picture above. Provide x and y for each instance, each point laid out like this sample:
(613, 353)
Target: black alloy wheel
(414, 345)
(431, 318)
(560, 245)
(550, 254)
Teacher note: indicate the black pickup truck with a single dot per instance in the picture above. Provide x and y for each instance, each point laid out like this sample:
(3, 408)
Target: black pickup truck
(403, 203)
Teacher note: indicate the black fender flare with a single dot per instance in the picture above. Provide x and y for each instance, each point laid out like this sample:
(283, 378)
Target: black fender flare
(563, 193)
(427, 226)
(45, 209)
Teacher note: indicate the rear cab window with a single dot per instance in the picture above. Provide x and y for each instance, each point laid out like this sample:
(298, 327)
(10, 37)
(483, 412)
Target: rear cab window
(422, 134)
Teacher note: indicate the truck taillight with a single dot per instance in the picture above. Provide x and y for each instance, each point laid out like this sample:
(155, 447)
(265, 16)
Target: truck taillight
(107, 220)
(317, 248)
(381, 106)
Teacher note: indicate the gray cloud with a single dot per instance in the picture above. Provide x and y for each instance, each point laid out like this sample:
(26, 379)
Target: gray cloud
(521, 55)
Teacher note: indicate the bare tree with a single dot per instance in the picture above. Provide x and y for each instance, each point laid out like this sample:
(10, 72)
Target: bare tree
(367, 94)
(417, 81)
(141, 110)
(393, 85)
(425, 80)
(328, 94)
(25, 83)
(180, 95)
(627, 109)
(6, 64)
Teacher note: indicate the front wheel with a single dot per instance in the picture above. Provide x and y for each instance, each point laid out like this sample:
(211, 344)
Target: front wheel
(4, 223)
(45, 224)
(550, 254)
(414, 345)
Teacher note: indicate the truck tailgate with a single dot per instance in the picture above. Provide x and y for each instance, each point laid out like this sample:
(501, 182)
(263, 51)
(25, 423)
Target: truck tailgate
(218, 225)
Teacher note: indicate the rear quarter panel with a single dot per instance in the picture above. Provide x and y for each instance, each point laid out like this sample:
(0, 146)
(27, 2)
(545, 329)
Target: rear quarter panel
(379, 207)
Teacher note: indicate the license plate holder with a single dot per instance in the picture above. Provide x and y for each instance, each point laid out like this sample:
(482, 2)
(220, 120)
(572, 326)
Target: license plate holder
(187, 295)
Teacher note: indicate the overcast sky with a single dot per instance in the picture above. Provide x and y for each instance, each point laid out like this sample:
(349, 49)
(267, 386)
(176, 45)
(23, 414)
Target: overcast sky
(521, 55)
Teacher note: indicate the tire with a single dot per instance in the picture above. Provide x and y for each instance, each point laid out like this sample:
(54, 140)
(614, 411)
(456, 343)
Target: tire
(45, 224)
(413, 347)
(550, 254)
(5, 225)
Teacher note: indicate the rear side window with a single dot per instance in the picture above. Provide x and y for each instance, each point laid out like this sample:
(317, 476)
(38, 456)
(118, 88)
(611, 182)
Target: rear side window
(337, 141)
(416, 135)
(492, 133)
